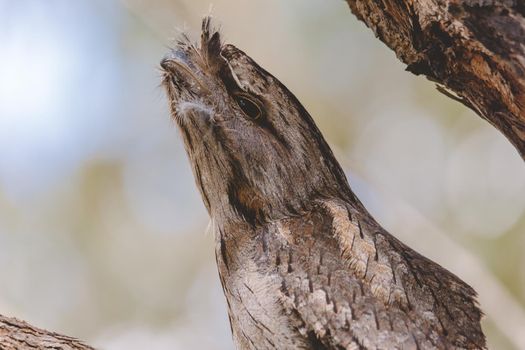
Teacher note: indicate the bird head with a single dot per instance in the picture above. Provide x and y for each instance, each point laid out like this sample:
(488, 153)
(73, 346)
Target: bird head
(256, 153)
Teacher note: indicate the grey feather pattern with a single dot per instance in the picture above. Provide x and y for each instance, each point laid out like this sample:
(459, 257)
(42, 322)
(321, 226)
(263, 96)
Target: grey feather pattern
(381, 294)
(302, 263)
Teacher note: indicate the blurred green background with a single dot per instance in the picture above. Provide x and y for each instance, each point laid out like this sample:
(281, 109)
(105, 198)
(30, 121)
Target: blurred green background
(101, 226)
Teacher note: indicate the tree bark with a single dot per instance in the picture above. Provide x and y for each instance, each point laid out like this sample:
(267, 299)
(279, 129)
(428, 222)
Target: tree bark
(475, 48)
(17, 335)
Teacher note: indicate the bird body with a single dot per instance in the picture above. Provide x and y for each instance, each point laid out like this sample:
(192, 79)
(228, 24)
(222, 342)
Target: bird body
(332, 278)
(302, 263)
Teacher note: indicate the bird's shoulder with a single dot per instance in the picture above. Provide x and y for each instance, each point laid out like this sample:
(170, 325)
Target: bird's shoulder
(354, 285)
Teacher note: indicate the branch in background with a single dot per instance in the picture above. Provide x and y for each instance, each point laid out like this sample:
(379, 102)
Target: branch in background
(473, 47)
(16, 335)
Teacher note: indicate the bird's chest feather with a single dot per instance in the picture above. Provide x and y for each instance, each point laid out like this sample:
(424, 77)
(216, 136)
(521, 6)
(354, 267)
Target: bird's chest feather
(252, 286)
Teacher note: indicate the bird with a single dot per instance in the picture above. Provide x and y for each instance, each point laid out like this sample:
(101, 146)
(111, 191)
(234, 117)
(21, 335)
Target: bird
(302, 263)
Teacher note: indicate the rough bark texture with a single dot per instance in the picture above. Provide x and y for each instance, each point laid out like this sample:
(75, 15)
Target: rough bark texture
(16, 335)
(475, 48)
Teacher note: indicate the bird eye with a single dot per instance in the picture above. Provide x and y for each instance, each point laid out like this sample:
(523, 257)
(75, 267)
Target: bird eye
(249, 107)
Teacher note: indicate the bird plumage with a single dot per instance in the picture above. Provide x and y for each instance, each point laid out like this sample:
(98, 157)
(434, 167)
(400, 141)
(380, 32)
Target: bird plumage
(341, 282)
(302, 263)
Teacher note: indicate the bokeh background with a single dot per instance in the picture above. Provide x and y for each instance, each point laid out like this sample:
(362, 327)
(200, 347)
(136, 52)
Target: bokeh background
(102, 231)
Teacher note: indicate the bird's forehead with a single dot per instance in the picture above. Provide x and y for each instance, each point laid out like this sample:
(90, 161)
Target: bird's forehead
(247, 73)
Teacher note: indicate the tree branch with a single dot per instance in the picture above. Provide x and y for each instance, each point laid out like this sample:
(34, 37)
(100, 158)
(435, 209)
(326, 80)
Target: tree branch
(17, 335)
(475, 48)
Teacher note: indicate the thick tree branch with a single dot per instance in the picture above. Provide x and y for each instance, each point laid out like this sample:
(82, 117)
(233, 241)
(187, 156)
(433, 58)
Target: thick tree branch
(475, 48)
(16, 335)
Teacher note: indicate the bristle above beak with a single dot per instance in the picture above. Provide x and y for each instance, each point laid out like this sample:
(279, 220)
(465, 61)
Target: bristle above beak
(187, 66)
(210, 40)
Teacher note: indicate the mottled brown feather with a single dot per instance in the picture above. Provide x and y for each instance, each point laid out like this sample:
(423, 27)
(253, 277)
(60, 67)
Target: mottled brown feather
(302, 263)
